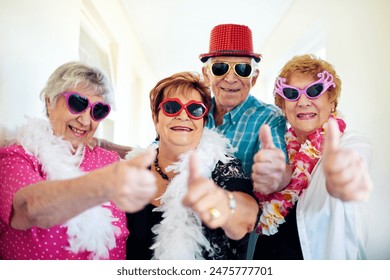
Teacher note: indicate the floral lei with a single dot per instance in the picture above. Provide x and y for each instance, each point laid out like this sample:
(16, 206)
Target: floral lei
(303, 158)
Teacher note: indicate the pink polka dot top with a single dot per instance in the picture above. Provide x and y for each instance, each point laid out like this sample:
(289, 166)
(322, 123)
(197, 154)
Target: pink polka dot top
(19, 169)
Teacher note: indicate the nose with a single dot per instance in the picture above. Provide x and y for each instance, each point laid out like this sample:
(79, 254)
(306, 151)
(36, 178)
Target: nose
(303, 101)
(183, 115)
(85, 117)
(230, 76)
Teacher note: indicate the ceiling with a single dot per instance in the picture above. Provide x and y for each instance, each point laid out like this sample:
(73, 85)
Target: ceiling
(174, 32)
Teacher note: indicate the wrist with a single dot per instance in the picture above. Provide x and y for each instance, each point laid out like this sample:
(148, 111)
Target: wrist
(231, 202)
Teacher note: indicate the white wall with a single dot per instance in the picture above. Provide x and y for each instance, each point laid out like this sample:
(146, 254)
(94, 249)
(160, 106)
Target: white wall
(360, 47)
(133, 75)
(36, 38)
(357, 43)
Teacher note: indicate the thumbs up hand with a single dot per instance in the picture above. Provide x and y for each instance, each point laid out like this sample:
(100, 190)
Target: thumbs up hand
(270, 172)
(129, 183)
(346, 173)
(205, 198)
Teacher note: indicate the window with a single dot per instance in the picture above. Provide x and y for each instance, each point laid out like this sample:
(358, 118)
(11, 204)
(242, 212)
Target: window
(96, 49)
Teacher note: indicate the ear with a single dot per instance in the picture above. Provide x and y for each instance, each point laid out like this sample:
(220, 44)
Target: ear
(205, 74)
(48, 106)
(154, 117)
(333, 109)
(255, 75)
(155, 120)
(284, 106)
(284, 112)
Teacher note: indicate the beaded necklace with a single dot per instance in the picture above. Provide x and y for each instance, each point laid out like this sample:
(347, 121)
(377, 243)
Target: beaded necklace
(159, 171)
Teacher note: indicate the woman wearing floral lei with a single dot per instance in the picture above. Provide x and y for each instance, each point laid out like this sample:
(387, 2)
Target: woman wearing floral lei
(318, 215)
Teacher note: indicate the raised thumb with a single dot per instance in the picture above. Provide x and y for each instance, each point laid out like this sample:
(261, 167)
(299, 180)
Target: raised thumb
(332, 137)
(265, 137)
(194, 168)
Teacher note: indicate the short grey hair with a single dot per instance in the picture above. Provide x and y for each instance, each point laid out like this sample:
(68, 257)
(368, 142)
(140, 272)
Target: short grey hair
(73, 74)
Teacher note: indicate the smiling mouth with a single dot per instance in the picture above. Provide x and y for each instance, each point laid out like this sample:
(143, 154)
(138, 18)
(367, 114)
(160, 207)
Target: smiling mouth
(306, 115)
(230, 90)
(181, 128)
(76, 131)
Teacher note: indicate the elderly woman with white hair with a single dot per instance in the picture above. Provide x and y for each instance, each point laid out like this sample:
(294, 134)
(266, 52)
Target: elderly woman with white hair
(62, 197)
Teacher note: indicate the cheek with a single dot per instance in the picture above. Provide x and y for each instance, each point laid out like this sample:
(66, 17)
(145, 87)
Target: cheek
(200, 126)
(159, 125)
(288, 109)
(95, 126)
(325, 106)
(158, 128)
(215, 82)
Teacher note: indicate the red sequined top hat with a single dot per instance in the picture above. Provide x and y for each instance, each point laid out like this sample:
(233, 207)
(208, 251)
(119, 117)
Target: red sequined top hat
(230, 40)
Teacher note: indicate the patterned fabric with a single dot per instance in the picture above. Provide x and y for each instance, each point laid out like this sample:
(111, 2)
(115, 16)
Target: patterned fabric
(232, 178)
(227, 177)
(19, 169)
(242, 125)
(303, 158)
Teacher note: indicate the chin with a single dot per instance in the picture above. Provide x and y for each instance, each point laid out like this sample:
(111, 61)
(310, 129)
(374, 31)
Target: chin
(75, 144)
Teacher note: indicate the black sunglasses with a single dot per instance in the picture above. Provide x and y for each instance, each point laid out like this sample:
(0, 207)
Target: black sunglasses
(77, 104)
(243, 70)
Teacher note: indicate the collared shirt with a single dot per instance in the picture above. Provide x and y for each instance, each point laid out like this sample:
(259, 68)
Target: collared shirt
(329, 228)
(242, 125)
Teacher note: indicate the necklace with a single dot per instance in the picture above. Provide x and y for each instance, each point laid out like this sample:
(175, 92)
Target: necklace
(159, 171)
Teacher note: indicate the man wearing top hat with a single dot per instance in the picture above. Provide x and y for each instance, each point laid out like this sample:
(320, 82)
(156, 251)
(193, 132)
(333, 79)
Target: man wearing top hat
(231, 68)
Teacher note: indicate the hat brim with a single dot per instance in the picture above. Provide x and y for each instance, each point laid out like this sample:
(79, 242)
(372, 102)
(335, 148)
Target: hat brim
(205, 56)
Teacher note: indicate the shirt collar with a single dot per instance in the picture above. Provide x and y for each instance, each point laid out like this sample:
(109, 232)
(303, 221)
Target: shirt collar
(235, 114)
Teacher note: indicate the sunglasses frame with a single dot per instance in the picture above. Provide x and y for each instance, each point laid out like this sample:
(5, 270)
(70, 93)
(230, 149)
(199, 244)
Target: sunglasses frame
(231, 66)
(68, 94)
(183, 106)
(325, 78)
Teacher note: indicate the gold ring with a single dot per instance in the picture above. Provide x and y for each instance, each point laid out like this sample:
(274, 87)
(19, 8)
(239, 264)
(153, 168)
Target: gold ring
(215, 214)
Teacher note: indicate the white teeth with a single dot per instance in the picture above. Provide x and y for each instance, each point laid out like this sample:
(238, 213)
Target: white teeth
(181, 128)
(77, 131)
(307, 115)
(231, 90)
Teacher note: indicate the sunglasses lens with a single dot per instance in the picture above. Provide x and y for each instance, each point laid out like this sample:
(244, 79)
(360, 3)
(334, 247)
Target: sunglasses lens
(220, 68)
(290, 93)
(171, 107)
(315, 90)
(243, 69)
(100, 111)
(196, 110)
(77, 103)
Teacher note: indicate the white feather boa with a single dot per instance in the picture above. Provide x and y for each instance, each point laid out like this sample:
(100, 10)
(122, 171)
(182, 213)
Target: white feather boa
(180, 234)
(91, 230)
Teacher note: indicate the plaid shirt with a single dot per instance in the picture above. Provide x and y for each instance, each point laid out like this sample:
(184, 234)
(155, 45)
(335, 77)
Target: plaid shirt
(242, 125)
